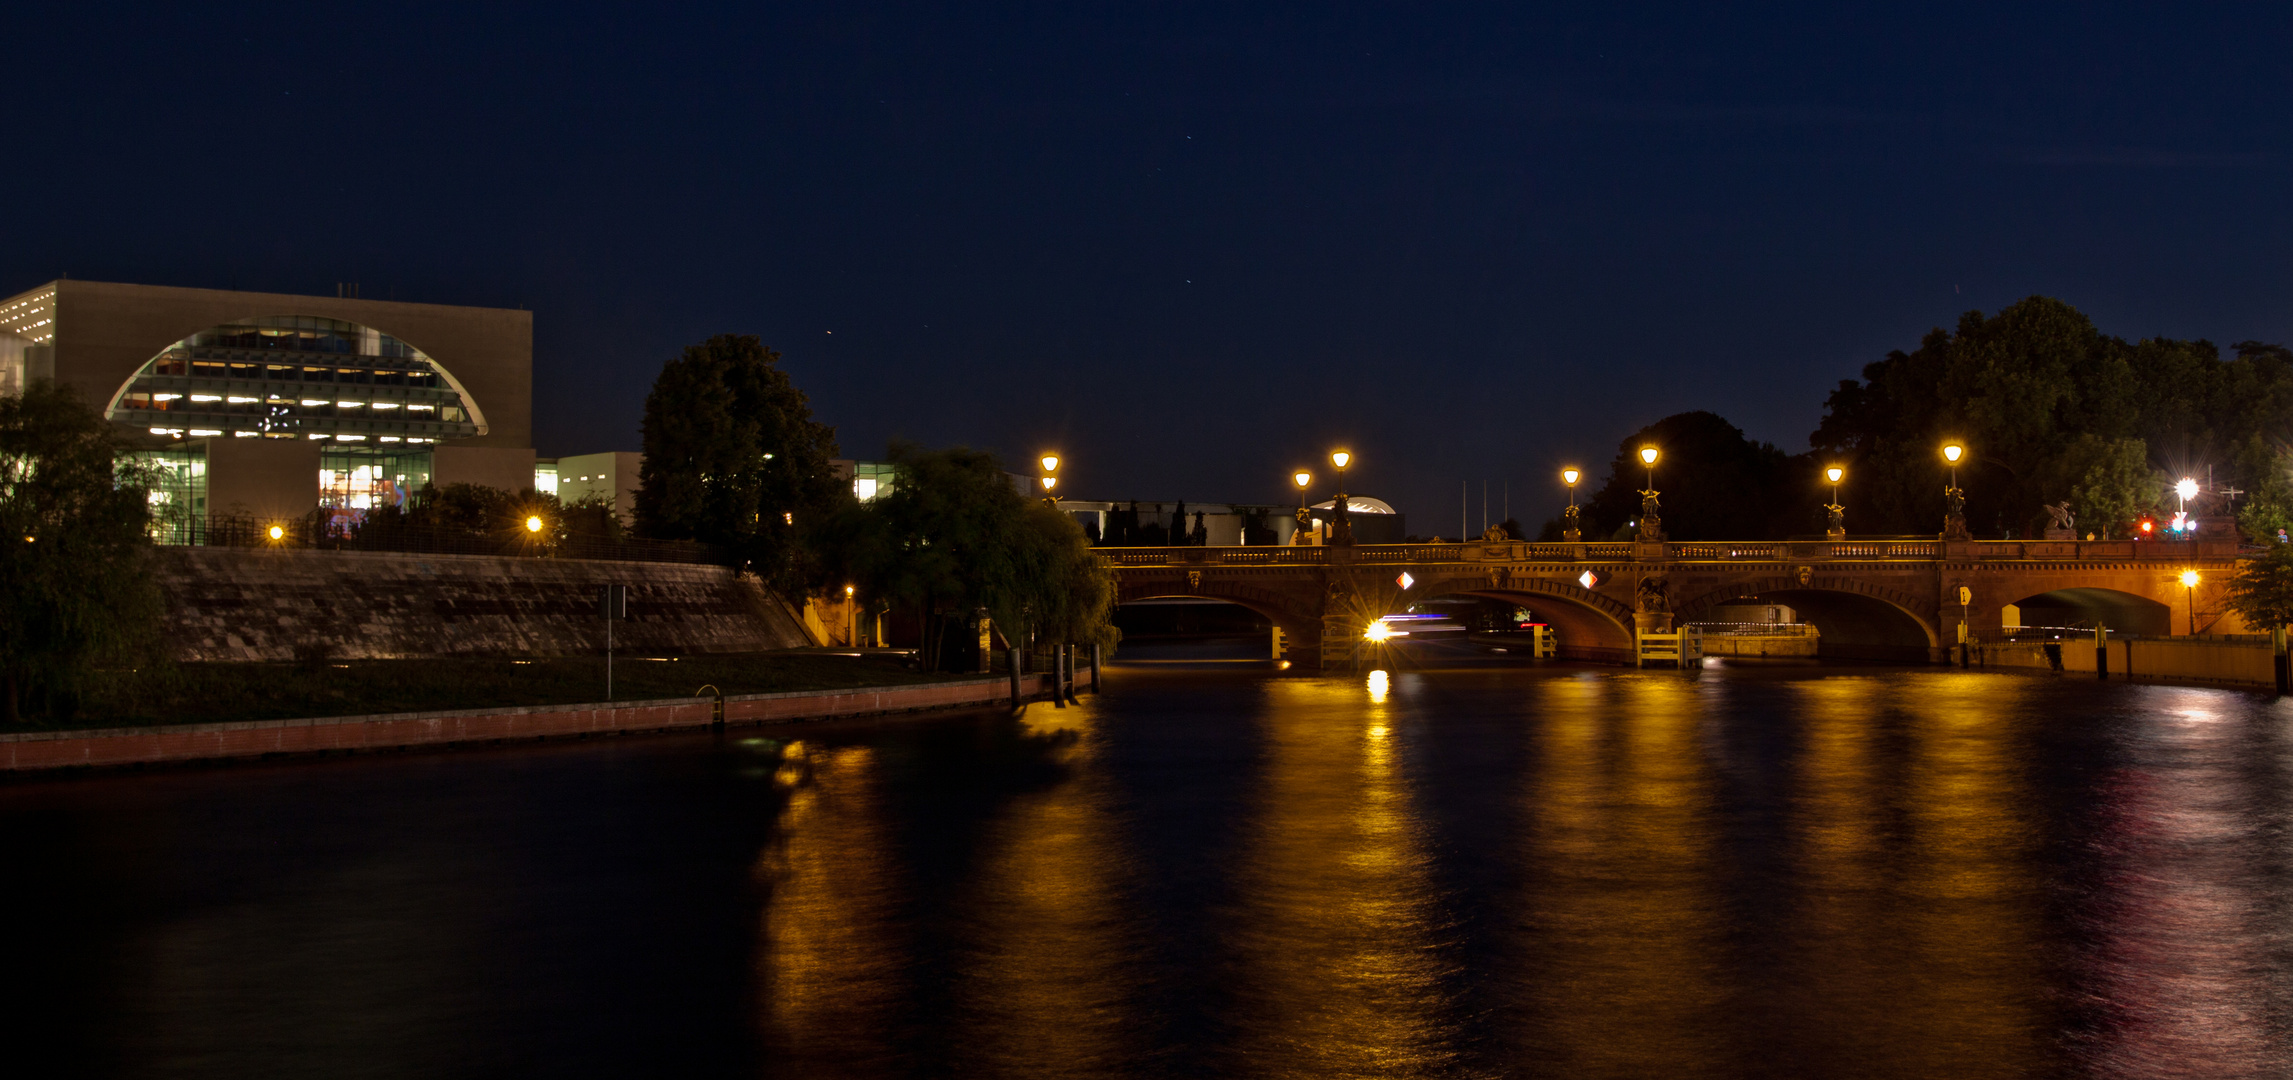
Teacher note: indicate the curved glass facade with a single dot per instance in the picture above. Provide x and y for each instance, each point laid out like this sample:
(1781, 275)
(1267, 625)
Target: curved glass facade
(297, 377)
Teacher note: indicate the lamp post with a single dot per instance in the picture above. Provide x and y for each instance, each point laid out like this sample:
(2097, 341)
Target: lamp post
(1050, 463)
(1570, 530)
(1954, 499)
(1302, 478)
(1836, 528)
(1651, 520)
(851, 621)
(1341, 526)
(2183, 493)
(2189, 596)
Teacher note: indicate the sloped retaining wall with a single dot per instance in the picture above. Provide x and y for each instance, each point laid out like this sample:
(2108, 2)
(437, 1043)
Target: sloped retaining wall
(263, 604)
(204, 742)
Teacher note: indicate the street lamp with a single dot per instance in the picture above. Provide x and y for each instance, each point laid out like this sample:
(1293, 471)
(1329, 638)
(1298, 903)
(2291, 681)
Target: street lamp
(851, 621)
(1838, 524)
(1341, 523)
(1651, 516)
(533, 524)
(2189, 593)
(1050, 463)
(1954, 499)
(2183, 493)
(1570, 532)
(1302, 478)
(278, 533)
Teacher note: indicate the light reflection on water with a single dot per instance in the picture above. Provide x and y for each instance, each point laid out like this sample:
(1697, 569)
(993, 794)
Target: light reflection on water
(1552, 872)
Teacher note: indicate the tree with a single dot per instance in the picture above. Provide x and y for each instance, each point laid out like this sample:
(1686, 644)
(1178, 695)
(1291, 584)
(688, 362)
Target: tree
(1716, 484)
(955, 536)
(2107, 482)
(2024, 389)
(2262, 591)
(733, 457)
(76, 589)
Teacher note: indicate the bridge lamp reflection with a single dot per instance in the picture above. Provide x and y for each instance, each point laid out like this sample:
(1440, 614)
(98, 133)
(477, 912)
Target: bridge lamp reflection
(2189, 593)
(1379, 685)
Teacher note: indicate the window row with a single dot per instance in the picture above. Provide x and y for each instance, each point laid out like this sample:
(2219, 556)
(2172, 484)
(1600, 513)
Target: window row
(274, 405)
(218, 369)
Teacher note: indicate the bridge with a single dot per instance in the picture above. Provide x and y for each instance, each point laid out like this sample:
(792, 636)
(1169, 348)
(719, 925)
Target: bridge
(1889, 599)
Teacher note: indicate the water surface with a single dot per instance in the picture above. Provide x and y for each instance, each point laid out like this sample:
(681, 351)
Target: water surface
(1212, 871)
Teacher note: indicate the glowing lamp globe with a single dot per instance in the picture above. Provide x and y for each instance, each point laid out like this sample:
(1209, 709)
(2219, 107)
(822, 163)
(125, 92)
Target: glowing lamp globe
(1341, 458)
(2189, 579)
(1648, 455)
(2187, 489)
(1050, 482)
(1050, 463)
(1834, 474)
(1301, 478)
(1952, 452)
(278, 532)
(1570, 476)
(533, 524)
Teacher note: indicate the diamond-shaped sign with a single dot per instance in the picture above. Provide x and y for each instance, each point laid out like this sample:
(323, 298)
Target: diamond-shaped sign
(1405, 580)
(1588, 580)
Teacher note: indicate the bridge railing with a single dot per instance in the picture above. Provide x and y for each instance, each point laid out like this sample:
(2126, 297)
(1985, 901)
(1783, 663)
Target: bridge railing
(1690, 551)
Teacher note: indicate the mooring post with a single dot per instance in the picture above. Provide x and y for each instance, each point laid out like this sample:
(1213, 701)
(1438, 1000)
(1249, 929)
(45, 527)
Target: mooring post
(2284, 664)
(1058, 663)
(1095, 667)
(1011, 668)
(1074, 659)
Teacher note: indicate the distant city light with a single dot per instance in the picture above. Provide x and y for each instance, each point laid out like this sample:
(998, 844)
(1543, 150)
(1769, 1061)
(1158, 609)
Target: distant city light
(2187, 489)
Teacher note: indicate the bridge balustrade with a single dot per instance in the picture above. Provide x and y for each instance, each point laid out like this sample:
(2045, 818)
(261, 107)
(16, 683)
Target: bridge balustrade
(1688, 551)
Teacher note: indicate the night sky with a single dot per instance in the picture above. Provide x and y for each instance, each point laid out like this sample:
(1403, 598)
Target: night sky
(1191, 246)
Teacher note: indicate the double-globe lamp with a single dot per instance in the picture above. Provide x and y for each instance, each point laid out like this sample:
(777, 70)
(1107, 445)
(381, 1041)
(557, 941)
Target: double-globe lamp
(1050, 463)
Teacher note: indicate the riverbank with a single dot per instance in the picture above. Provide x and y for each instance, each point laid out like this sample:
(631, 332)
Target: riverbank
(179, 743)
(206, 693)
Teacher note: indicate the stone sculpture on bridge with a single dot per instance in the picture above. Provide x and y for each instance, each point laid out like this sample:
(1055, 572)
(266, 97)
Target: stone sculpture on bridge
(1955, 514)
(1651, 518)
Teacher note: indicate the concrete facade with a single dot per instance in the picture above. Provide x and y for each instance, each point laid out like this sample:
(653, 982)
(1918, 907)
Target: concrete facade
(611, 476)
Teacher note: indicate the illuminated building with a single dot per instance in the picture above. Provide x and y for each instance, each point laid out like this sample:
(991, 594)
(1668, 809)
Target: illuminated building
(270, 405)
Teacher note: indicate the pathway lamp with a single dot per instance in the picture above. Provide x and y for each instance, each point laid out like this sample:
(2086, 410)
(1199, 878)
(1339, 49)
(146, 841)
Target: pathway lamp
(533, 524)
(278, 532)
(1050, 463)
(2189, 595)
(1570, 530)
(1837, 527)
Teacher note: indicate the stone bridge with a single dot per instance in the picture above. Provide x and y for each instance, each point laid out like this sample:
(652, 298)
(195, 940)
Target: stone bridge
(1896, 599)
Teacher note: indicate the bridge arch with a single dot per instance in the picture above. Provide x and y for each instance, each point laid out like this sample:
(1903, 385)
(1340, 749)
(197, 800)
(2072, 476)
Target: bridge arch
(2086, 606)
(1590, 625)
(1296, 621)
(1857, 619)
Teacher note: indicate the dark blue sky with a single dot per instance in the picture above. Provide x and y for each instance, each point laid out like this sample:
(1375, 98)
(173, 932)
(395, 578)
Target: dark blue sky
(1191, 245)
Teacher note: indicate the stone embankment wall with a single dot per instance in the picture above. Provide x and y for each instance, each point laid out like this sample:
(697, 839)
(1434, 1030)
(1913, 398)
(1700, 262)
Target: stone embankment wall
(2213, 660)
(266, 604)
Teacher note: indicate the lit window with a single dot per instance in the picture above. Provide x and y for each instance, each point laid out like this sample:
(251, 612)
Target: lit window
(206, 397)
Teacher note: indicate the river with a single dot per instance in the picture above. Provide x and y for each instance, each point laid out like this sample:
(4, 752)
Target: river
(1494, 871)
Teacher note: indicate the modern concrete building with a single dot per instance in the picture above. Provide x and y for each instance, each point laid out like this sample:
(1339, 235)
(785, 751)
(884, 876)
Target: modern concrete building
(269, 405)
(610, 476)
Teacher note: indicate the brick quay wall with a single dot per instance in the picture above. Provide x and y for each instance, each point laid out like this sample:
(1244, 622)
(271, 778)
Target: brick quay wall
(113, 747)
(264, 604)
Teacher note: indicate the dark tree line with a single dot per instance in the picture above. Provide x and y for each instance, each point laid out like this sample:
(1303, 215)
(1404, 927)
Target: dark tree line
(2050, 409)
